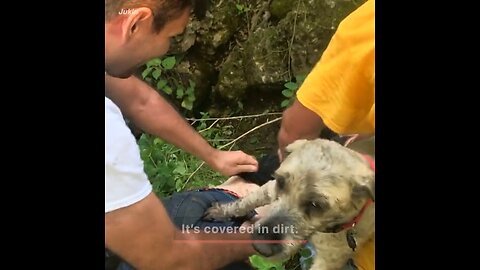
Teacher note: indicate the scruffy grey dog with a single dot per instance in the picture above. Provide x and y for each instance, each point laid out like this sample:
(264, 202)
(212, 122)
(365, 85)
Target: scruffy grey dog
(323, 192)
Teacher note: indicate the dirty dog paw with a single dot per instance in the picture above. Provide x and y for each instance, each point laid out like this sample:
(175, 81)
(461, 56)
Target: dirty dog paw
(215, 212)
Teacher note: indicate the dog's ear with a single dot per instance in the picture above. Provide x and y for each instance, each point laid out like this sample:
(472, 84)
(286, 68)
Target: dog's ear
(365, 188)
(295, 145)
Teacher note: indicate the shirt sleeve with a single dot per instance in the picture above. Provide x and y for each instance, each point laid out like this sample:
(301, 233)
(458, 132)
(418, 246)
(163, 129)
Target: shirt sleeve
(341, 87)
(125, 180)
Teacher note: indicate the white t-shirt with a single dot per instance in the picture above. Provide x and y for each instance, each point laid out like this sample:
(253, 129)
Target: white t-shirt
(125, 180)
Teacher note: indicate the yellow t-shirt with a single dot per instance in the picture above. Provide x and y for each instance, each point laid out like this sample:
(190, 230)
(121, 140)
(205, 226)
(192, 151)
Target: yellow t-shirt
(365, 257)
(341, 86)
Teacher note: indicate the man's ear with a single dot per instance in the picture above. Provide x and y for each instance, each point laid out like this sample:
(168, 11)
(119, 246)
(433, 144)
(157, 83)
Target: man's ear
(134, 20)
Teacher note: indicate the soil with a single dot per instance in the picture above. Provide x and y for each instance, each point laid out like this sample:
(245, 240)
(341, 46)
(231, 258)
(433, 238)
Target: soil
(264, 139)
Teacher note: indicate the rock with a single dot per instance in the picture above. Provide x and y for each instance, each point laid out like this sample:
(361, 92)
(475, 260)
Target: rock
(232, 82)
(270, 57)
(280, 8)
(316, 23)
(182, 43)
(219, 26)
(266, 53)
(221, 22)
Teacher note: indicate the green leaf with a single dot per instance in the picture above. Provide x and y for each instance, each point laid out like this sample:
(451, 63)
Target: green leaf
(154, 62)
(143, 141)
(169, 62)
(187, 104)
(146, 72)
(156, 73)
(150, 169)
(202, 125)
(167, 90)
(192, 84)
(157, 141)
(180, 92)
(157, 155)
(240, 105)
(285, 103)
(190, 91)
(161, 84)
(257, 262)
(287, 93)
(191, 98)
(300, 78)
(180, 169)
(240, 7)
(261, 263)
(178, 186)
(305, 252)
(291, 85)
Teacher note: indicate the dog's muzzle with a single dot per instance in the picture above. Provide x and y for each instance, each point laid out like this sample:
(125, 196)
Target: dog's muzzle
(269, 236)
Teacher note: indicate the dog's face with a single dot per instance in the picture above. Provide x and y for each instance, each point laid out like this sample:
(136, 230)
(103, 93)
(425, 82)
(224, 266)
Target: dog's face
(320, 185)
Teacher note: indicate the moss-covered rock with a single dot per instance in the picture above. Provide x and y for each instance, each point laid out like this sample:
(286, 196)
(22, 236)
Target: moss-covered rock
(316, 22)
(222, 21)
(280, 8)
(219, 26)
(275, 53)
(231, 80)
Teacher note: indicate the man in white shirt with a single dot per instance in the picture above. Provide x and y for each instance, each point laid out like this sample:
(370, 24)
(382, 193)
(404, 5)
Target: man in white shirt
(137, 226)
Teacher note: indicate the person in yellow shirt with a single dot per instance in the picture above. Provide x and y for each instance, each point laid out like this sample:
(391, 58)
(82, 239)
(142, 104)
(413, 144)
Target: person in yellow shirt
(339, 93)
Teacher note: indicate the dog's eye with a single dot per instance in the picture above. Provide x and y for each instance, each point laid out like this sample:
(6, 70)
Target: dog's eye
(315, 207)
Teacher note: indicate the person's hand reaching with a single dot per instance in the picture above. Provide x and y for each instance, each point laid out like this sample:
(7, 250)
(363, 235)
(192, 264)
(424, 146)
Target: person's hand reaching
(231, 163)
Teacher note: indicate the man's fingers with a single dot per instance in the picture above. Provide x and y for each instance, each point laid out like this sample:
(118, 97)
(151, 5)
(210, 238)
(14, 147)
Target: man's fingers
(246, 168)
(247, 160)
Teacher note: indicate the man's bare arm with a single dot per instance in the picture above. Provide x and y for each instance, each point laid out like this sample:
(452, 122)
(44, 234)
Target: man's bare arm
(298, 122)
(144, 236)
(153, 114)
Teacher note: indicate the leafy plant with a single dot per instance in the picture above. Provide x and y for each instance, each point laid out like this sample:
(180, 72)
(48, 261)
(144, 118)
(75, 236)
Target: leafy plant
(242, 8)
(260, 263)
(187, 96)
(158, 72)
(156, 66)
(169, 167)
(290, 90)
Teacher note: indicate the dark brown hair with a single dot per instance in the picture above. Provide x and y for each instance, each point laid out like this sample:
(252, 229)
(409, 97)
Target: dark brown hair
(163, 10)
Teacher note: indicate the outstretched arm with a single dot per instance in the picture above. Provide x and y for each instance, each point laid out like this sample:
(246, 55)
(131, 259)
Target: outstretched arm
(152, 113)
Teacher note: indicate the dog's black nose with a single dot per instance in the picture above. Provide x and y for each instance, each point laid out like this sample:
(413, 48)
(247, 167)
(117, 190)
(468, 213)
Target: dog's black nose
(268, 239)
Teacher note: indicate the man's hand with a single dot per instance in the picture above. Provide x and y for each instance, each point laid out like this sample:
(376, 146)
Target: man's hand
(231, 163)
